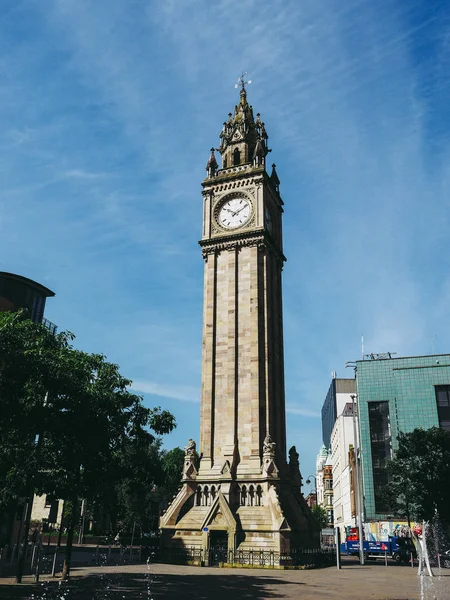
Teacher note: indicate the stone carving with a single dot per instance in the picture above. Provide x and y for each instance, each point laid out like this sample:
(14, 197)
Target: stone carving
(189, 469)
(269, 446)
(294, 467)
(293, 456)
(190, 448)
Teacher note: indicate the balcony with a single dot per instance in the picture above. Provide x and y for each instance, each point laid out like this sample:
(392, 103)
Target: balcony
(49, 325)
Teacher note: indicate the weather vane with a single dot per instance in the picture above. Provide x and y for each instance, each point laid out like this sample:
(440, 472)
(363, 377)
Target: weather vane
(241, 81)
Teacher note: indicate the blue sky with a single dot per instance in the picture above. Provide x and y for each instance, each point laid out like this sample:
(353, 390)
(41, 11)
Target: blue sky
(108, 111)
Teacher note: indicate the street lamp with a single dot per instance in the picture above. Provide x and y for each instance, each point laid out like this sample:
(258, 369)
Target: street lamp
(357, 484)
(308, 482)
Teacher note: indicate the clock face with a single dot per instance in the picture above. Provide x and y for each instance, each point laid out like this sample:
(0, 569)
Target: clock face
(234, 213)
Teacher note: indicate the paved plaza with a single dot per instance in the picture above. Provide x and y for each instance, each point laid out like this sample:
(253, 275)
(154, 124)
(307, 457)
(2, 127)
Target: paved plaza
(171, 582)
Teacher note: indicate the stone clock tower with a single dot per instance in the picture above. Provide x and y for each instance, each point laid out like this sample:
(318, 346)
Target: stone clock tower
(243, 493)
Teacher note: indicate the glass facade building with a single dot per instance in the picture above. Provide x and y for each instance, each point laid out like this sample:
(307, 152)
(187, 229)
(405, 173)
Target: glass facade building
(396, 395)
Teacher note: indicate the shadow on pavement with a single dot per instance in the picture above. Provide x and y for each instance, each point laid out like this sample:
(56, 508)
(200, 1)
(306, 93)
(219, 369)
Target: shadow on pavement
(134, 586)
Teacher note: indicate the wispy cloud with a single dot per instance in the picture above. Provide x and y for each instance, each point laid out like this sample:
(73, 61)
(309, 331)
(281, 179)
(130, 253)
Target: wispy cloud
(303, 411)
(185, 394)
(85, 175)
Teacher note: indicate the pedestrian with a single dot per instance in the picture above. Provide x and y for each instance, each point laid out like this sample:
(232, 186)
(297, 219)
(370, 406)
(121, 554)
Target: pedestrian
(34, 536)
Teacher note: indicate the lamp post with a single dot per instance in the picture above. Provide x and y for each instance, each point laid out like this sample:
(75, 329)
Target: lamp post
(358, 489)
(308, 482)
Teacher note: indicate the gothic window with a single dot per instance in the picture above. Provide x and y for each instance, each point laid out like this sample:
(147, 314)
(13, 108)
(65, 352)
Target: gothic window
(236, 157)
(251, 495)
(259, 496)
(243, 495)
(225, 162)
(198, 499)
(206, 496)
(213, 493)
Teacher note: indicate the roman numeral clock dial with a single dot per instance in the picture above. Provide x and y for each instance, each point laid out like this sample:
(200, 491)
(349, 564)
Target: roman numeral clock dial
(234, 213)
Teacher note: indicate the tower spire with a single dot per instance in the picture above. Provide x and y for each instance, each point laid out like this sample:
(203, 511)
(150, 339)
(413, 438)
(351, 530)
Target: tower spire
(243, 140)
(241, 81)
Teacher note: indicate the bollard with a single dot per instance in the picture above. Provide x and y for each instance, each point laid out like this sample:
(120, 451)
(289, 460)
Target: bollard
(33, 556)
(96, 555)
(131, 554)
(337, 532)
(140, 554)
(385, 559)
(412, 560)
(109, 554)
(55, 557)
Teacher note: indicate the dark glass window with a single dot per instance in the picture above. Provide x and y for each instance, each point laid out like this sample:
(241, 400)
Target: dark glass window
(237, 157)
(381, 447)
(443, 405)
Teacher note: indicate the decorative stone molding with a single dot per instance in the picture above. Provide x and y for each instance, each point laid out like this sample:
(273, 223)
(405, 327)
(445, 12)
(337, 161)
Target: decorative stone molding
(219, 187)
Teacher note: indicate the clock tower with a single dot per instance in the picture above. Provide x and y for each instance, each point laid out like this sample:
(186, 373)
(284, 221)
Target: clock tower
(243, 492)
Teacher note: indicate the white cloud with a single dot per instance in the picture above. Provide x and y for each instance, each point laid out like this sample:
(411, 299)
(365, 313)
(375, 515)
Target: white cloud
(302, 411)
(185, 394)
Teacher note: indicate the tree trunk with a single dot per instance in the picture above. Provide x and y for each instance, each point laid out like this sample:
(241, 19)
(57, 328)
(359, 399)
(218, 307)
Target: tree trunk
(70, 530)
(22, 550)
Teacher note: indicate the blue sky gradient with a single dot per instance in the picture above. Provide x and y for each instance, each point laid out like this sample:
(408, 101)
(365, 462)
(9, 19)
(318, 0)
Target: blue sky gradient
(108, 111)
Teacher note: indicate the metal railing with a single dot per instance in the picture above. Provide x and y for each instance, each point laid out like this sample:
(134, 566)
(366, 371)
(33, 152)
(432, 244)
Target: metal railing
(49, 325)
(42, 560)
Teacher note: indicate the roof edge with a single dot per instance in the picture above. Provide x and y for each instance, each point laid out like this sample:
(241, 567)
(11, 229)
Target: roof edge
(25, 280)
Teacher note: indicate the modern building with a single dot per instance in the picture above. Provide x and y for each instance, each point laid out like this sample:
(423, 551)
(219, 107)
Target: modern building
(396, 395)
(18, 292)
(342, 445)
(246, 493)
(338, 395)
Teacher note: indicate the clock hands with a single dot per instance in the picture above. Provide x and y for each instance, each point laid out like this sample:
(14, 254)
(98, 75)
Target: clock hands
(238, 211)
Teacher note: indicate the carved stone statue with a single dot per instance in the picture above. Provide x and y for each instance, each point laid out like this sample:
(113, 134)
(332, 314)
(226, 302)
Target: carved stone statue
(190, 448)
(269, 445)
(293, 456)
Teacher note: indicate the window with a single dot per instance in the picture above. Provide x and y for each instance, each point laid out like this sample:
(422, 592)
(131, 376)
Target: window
(49, 499)
(380, 444)
(236, 157)
(443, 406)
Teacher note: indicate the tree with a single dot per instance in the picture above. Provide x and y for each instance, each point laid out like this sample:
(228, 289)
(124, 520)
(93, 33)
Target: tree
(419, 486)
(144, 479)
(79, 408)
(320, 515)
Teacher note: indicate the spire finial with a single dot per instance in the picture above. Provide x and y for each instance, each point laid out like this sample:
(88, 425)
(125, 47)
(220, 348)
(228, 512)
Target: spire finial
(241, 81)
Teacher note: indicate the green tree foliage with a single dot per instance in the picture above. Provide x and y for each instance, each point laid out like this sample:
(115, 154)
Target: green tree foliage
(70, 426)
(420, 475)
(320, 515)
